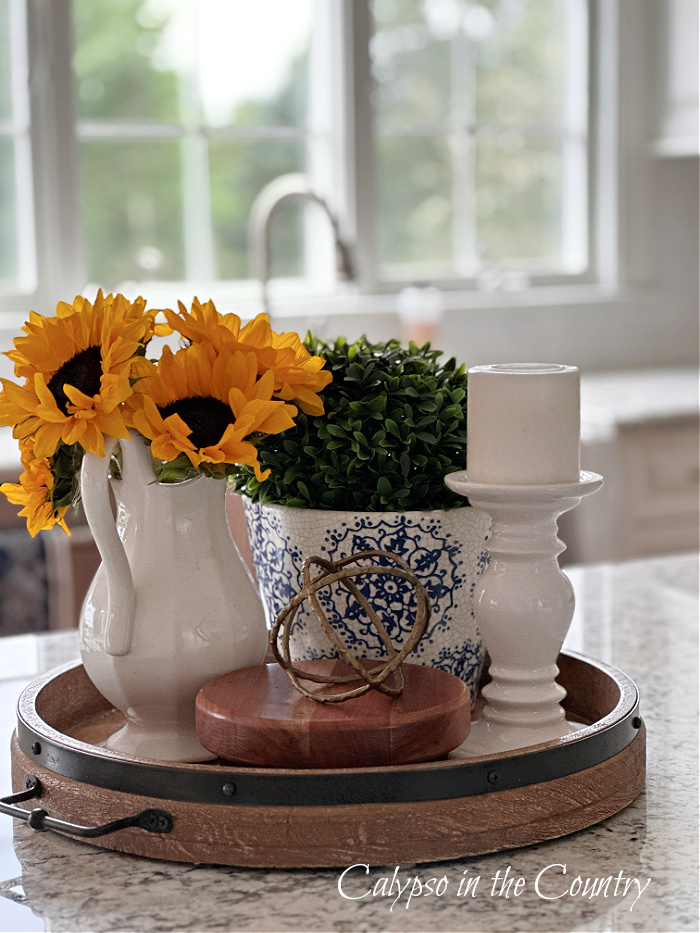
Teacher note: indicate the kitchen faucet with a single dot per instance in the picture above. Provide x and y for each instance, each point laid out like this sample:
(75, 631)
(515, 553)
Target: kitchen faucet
(264, 207)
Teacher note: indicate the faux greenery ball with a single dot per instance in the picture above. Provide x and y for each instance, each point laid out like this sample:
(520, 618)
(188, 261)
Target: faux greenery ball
(394, 425)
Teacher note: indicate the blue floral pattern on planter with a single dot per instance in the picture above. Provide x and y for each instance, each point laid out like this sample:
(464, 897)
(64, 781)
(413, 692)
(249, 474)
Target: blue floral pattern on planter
(446, 551)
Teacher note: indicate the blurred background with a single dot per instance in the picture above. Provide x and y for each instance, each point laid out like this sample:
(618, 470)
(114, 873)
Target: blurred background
(515, 180)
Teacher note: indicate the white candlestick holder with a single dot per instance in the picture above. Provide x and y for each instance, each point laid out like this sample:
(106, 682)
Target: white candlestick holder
(523, 606)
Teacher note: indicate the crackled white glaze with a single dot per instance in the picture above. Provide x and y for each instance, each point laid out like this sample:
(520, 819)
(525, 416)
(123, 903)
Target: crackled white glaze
(445, 549)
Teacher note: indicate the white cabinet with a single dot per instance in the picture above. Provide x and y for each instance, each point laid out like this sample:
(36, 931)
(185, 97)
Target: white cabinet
(659, 492)
(640, 431)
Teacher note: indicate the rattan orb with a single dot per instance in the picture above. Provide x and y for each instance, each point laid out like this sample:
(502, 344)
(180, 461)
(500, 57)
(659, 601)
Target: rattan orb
(345, 571)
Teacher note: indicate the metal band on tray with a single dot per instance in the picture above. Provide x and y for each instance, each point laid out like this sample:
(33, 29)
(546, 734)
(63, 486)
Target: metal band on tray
(213, 783)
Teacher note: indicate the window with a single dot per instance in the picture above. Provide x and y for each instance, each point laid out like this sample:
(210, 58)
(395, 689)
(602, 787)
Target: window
(450, 136)
(16, 230)
(480, 137)
(182, 118)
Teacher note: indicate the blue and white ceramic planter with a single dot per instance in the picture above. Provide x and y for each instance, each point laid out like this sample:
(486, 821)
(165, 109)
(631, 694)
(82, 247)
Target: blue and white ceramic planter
(446, 550)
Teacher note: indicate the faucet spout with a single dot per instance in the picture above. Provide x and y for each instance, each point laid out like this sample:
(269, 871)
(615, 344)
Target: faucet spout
(262, 211)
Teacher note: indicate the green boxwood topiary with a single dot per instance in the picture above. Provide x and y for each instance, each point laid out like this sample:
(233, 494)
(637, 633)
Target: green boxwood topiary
(394, 425)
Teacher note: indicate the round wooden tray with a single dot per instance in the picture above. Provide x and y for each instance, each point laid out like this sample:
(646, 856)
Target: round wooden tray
(280, 818)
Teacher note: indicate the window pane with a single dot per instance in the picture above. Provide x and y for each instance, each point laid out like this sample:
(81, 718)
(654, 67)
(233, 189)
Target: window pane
(521, 62)
(239, 169)
(211, 61)
(519, 198)
(252, 61)
(5, 62)
(504, 83)
(8, 213)
(132, 211)
(234, 92)
(124, 59)
(415, 201)
(410, 65)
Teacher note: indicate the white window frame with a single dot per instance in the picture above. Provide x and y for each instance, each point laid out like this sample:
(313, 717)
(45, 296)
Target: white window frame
(615, 54)
(364, 156)
(50, 161)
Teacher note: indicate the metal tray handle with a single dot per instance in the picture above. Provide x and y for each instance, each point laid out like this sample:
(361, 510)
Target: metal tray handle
(153, 821)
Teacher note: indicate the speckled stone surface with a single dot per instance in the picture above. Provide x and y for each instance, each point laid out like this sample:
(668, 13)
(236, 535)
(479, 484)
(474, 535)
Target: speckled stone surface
(639, 397)
(641, 616)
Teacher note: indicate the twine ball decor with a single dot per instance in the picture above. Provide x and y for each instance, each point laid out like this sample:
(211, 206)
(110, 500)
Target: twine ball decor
(345, 571)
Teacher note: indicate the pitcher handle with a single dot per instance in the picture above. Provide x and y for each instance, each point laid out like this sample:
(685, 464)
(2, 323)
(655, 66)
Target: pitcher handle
(94, 489)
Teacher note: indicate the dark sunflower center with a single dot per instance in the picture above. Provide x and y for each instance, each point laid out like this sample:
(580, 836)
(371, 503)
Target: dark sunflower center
(83, 371)
(207, 418)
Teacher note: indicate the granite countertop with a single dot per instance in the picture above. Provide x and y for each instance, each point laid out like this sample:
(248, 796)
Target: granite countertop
(640, 616)
(625, 400)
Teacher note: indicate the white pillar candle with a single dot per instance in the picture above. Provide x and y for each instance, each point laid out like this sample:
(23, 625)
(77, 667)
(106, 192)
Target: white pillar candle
(523, 423)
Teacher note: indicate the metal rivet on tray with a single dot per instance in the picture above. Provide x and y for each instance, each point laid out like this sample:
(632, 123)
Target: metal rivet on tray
(36, 819)
(637, 723)
(229, 789)
(36, 748)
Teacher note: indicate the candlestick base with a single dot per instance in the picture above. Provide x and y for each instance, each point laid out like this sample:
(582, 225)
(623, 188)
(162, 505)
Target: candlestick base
(490, 738)
(523, 606)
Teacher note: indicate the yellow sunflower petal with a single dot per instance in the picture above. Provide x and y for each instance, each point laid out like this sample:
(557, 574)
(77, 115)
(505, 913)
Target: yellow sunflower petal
(93, 440)
(77, 399)
(77, 430)
(226, 402)
(33, 492)
(113, 391)
(45, 356)
(179, 430)
(139, 420)
(16, 402)
(309, 402)
(46, 439)
(243, 452)
(46, 408)
(113, 423)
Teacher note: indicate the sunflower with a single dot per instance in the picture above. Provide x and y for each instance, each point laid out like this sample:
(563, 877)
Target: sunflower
(77, 367)
(298, 376)
(205, 404)
(34, 491)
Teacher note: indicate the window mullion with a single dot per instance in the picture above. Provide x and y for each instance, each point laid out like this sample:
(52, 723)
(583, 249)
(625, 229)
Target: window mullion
(53, 144)
(196, 198)
(574, 221)
(463, 151)
(359, 162)
(609, 67)
(198, 235)
(323, 136)
(19, 131)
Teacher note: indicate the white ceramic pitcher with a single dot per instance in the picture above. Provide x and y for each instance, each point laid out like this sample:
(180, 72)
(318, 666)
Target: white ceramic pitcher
(171, 606)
